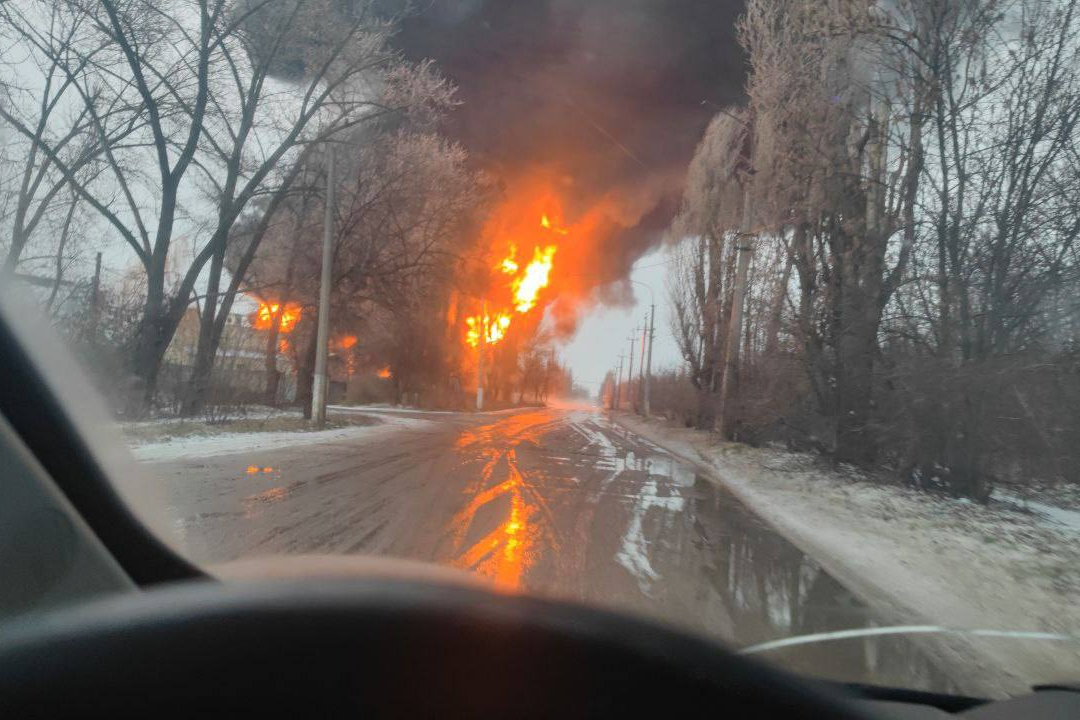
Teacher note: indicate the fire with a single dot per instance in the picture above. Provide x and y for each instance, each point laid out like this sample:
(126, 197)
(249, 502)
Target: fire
(264, 316)
(546, 224)
(490, 327)
(525, 287)
(509, 265)
(348, 341)
(384, 373)
(528, 286)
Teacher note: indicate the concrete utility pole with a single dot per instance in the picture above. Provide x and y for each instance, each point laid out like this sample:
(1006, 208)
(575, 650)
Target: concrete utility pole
(322, 347)
(630, 373)
(738, 295)
(482, 345)
(648, 361)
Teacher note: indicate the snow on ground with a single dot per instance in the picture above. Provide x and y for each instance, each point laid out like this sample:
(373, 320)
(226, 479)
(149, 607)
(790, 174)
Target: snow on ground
(385, 408)
(231, 442)
(1049, 515)
(915, 555)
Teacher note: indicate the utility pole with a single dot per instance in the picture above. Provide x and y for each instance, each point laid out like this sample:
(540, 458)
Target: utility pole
(482, 345)
(618, 379)
(738, 295)
(322, 347)
(639, 396)
(648, 361)
(630, 373)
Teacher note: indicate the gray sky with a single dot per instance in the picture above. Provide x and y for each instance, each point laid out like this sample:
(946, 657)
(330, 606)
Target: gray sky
(604, 332)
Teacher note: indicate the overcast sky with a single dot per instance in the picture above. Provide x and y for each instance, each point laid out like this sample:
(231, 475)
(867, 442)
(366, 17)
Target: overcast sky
(604, 333)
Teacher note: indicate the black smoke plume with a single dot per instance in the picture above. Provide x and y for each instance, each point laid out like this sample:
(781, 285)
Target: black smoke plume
(608, 97)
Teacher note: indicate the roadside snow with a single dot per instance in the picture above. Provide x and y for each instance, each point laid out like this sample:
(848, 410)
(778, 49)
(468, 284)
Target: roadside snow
(1050, 515)
(225, 443)
(917, 556)
(383, 408)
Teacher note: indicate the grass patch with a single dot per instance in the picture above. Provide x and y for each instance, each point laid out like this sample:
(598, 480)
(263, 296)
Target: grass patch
(160, 431)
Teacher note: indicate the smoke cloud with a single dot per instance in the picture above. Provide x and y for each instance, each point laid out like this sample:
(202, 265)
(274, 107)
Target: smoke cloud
(607, 99)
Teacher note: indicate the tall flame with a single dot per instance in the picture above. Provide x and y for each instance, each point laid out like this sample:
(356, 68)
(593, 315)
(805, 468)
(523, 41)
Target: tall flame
(536, 278)
(525, 287)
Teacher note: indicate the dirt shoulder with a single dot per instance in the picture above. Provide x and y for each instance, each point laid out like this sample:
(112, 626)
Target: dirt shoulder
(919, 558)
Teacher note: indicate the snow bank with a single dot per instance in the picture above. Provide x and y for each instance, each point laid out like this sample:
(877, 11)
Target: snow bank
(914, 555)
(225, 443)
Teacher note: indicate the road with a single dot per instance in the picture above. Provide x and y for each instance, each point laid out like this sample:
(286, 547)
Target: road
(563, 503)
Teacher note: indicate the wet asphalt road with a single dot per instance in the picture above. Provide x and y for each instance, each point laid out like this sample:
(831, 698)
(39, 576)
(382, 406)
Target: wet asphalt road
(557, 502)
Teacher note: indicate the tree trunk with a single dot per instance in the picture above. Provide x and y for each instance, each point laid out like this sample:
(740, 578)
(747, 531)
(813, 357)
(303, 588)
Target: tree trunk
(305, 376)
(863, 295)
(273, 375)
(198, 389)
(772, 337)
(147, 348)
(706, 408)
(857, 347)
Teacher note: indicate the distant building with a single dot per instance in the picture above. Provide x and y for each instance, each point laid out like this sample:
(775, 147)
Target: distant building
(240, 366)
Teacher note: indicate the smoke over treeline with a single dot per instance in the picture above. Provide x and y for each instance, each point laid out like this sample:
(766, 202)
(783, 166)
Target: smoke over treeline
(603, 99)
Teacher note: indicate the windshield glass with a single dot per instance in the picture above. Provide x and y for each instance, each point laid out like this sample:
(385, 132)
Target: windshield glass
(758, 318)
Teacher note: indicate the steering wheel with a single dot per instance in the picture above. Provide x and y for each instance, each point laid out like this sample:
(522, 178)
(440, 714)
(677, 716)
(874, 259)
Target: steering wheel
(376, 649)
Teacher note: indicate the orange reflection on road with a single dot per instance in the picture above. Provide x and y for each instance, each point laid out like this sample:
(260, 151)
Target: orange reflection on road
(512, 429)
(255, 505)
(505, 553)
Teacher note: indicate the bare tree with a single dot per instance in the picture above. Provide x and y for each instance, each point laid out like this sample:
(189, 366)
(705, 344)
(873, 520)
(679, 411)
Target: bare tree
(230, 89)
(702, 279)
(59, 138)
(407, 203)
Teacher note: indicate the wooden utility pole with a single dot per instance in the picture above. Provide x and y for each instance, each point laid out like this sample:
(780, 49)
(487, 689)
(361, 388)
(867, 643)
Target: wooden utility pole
(648, 362)
(322, 347)
(630, 373)
(745, 239)
(639, 396)
(618, 379)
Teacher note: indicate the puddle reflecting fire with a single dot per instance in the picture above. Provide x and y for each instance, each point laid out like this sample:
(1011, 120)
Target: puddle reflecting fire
(505, 553)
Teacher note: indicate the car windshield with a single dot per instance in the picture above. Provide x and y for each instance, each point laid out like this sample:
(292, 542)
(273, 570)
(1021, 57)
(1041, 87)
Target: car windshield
(758, 318)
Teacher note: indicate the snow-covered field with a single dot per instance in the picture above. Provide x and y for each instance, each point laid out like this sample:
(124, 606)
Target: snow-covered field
(918, 556)
(223, 443)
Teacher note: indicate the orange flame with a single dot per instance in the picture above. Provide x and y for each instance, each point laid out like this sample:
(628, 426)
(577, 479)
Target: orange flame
(348, 341)
(509, 265)
(264, 316)
(546, 224)
(525, 287)
(384, 373)
(490, 327)
(528, 286)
